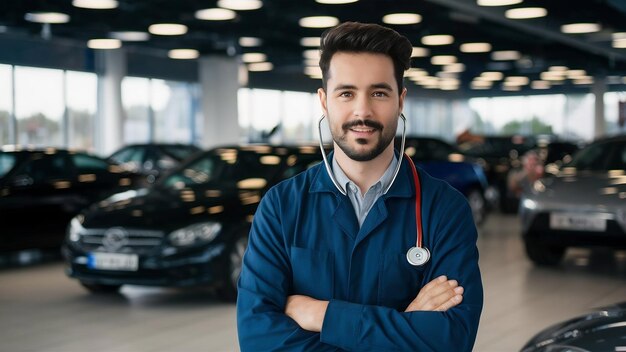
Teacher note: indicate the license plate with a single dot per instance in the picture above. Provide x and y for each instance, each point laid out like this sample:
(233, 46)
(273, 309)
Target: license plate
(113, 261)
(578, 222)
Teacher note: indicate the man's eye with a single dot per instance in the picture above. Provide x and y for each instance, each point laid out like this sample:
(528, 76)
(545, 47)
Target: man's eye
(380, 94)
(345, 94)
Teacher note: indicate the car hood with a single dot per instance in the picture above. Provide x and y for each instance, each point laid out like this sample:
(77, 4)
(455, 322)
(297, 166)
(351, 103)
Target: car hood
(592, 189)
(601, 330)
(167, 209)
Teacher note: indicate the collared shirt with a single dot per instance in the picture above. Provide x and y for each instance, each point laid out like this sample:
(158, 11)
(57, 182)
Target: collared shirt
(362, 204)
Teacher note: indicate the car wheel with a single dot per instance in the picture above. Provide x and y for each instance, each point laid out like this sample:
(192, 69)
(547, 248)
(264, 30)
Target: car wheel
(234, 262)
(478, 205)
(544, 255)
(98, 288)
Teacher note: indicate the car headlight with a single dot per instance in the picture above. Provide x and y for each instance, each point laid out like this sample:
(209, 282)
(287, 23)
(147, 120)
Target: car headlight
(196, 233)
(76, 227)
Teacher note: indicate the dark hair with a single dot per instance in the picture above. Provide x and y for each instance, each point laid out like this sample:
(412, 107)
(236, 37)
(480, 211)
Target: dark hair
(366, 38)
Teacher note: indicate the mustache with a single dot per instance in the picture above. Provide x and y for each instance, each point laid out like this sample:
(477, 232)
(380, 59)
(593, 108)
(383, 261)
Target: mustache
(368, 123)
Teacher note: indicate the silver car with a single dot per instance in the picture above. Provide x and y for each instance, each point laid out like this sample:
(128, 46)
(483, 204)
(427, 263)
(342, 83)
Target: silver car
(583, 205)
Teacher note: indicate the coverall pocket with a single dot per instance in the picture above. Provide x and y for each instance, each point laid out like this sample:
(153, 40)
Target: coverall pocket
(313, 273)
(399, 282)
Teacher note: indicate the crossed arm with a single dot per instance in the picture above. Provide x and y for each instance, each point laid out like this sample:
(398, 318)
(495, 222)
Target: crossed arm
(438, 295)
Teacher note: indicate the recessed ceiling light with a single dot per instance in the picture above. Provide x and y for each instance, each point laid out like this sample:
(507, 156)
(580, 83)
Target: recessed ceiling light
(96, 4)
(402, 18)
(311, 62)
(335, 2)
(584, 80)
(260, 66)
(312, 71)
(47, 17)
(618, 35)
(310, 41)
(619, 43)
(419, 52)
(506, 55)
(492, 75)
(167, 29)
(415, 72)
(312, 54)
(578, 28)
(318, 22)
(498, 2)
(131, 36)
(540, 85)
(215, 14)
(516, 80)
(104, 43)
(523, 13)
(242, 5)
(437, 39)
(248, 42)
(443, 59)
(557, 68)
(475, 47)
(454, 68)
(253, 57)
(183, 54)
(552, 76)
(481, 84)
(574, 74)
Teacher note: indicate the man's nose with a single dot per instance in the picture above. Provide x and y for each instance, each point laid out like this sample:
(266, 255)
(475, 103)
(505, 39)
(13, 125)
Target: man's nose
(362, 107)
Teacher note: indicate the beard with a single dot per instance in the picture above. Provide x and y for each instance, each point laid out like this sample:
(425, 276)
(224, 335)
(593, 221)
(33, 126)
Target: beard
(376, 147)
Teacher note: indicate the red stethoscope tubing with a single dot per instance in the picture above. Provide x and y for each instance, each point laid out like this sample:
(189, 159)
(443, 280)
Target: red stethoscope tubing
(418, 201)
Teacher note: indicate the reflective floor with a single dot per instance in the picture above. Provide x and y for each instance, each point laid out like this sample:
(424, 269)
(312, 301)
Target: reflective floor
(42, 310)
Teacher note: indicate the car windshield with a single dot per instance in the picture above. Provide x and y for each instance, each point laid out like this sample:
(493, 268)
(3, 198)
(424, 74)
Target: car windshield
(603, 156)
(7, 161)
(500, 146)
(244, 169)
(180, 152)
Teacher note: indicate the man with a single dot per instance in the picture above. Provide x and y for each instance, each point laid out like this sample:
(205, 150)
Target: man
(522, 179)
(326, 271)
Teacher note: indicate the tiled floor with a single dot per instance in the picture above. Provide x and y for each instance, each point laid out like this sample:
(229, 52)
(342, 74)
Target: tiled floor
(42, 310)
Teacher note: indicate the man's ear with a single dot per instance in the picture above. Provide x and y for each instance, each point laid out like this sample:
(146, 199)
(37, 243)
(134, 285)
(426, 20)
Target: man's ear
(321, 94)
(401, 102)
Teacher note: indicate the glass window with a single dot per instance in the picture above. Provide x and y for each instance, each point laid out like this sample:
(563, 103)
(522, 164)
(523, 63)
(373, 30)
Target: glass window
(39, 106)
(42, 168)
(136, 102)
(297, 117)
(82, 92)
(6, 84)
(173, 107)
(89, 164)
(7, 161)
(265, 114)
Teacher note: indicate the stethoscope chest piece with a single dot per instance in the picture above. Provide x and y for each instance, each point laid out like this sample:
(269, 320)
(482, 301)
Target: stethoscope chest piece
(417, 256)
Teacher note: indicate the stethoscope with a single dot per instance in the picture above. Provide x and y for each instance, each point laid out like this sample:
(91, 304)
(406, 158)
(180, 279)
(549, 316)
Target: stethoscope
(417, 255)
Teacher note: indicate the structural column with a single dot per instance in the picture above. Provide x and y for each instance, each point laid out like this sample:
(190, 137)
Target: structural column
(598, 89)
(219, 82)
(111, 67)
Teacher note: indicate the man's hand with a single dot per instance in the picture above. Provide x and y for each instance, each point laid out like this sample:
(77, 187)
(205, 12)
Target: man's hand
(440, 294)
(306, 311)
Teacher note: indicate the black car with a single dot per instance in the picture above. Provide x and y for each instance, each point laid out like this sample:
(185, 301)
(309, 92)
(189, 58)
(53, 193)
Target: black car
(42, 189)
(601, 330)
(153, 159)
(189, 228)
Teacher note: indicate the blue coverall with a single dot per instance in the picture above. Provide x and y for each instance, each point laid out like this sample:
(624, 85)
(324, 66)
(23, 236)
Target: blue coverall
(305, 239)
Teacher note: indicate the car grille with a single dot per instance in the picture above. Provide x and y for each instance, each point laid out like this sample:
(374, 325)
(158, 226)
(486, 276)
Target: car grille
(121, 240)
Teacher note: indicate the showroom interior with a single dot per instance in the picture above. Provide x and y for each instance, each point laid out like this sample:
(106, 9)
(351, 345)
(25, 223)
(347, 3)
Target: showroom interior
(115, 237)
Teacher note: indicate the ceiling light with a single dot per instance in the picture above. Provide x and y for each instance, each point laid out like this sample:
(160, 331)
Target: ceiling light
(437, 39)
(415, 72)
(561, 69)
(104, 43)
(402, 18)
(523, 13)
(492, 76)
(260, 66)
(318, 22)
(310, 41)
(443, 59)
(242, 5)
(95, 4)
(47, 17)
(335, 2)
(516, 80)
(312, 71)
(311, 62)
(312, 54)
(215, 14)
(253, 57)
(248, 42)
(183, 54)
(481, 84)
(167, 29)
(497, 2)
(619, 43)
(584, 80)
(540, 85)
(475, 47)
(419, 52)
(506, 55)
(454, 68)
(574, 74)
(131, 36)
(552, 76)
(577, 28)
(618, 35)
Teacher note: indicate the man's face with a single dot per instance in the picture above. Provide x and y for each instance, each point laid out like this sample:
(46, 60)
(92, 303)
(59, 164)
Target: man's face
(362, 103)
